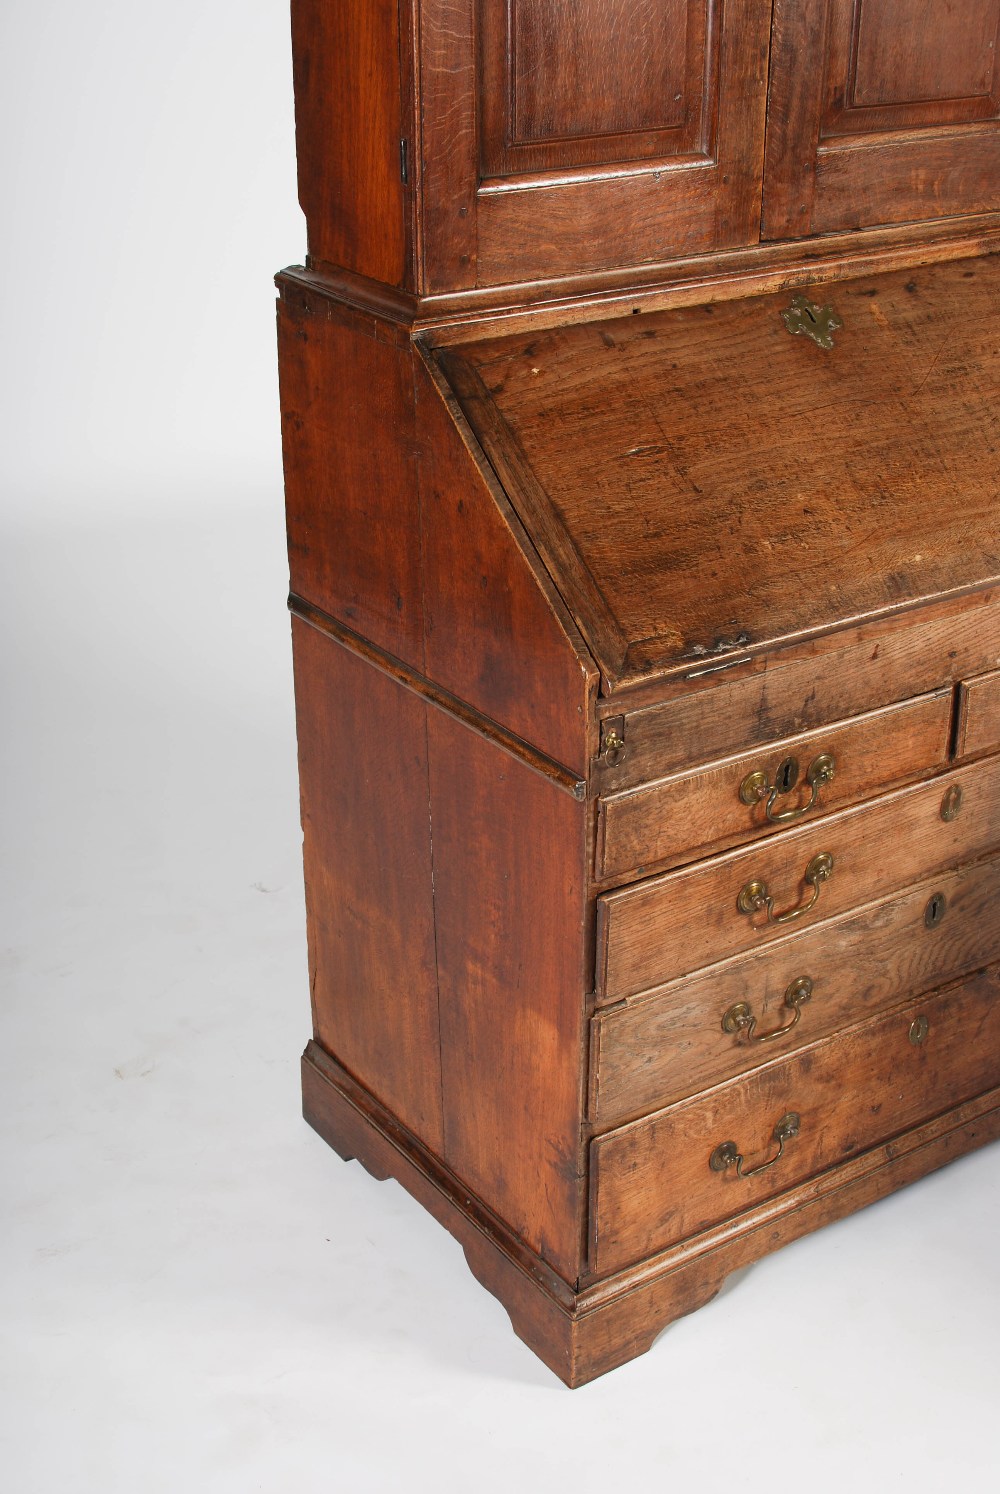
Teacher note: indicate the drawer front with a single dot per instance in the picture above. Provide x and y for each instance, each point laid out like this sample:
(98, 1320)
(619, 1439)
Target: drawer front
(979, 715)
(663, 1179)
(675, 924)
(754, 794)
(659, 1048)
(793, 691)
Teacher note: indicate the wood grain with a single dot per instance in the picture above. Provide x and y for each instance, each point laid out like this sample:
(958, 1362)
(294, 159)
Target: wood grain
(636, 433)
(652, 1050)
(350, 471)
(798, 689)
(542, 223)
(979, 716)
(585, 1334)
(511, 932)
(398, 531)
(677, 819)
(671, 925)
(497, 633)
(369, 894)
(856, 91)
(651, 1181)
(611, 81)
(346, 62)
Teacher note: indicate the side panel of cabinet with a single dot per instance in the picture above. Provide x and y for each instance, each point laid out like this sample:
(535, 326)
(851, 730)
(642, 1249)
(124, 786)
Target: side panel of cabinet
(610, 133)
(363, 775)
(880, 112)
(510, 901)
(348, 131)
(398, 531)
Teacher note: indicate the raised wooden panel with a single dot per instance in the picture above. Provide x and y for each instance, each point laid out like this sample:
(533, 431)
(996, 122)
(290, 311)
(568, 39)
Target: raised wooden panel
(908, 50)
(606, 80)
(847, 73)
(559, 140)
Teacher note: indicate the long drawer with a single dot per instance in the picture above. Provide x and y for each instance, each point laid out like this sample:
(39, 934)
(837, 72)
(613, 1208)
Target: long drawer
(674, 924)
(756, 793)
(657, 1048)
(660, 1180)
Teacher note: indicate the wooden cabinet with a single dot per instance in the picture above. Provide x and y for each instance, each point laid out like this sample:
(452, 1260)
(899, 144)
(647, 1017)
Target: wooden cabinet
(639, 405)
(881, 111)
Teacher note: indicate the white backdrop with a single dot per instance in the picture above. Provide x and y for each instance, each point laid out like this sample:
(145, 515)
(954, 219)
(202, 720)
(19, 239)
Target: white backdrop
(196, 1293)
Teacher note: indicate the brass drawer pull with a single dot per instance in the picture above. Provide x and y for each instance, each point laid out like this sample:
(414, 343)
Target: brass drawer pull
(756, 787)
(755, 897)
(740, 1018)
(729, 1155)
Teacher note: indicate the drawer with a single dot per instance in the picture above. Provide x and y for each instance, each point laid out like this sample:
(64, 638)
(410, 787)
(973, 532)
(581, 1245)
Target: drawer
(677, 923)
(799, 689)
(663, 1179)
(655, 1049)
(753, 794)
(979, 715)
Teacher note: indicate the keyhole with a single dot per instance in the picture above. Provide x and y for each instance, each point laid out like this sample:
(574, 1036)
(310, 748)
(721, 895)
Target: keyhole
(787, 775)
(811, 314)
(935, 910)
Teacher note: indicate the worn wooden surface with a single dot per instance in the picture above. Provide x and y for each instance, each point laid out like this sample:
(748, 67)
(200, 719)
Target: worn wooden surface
(369, 895)
(625, 80)
(584, 1334)
(397, 530)
(671, 925)
(686, 492)
(628, 442)
(350, 471)
(512, 952)
(855, 91)
(979, 715)
(676, 819)
(655, 1049)
(594, 197)
(691, 721)
(347, 63)
(651, 1181)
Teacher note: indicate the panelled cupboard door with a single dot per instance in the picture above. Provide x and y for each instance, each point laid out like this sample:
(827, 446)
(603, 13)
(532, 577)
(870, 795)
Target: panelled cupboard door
(881, 112)
(560, 139)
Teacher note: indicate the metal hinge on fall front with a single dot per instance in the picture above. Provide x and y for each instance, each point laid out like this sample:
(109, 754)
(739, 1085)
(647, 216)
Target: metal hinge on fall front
(404, 161)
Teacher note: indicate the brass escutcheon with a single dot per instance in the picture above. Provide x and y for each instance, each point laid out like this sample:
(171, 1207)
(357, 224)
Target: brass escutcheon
(951, 804)
(755, 898)
(919, 1028)
(740, 1020)
(937, 907)
(613, 749)
(805, 319)
(728, 1154)
(756, 787)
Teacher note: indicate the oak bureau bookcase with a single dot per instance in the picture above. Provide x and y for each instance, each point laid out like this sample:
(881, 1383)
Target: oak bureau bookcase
(640, 403)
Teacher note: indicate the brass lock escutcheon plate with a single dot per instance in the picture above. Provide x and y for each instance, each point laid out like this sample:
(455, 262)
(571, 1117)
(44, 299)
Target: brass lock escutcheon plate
(805, 319)
(757, 787)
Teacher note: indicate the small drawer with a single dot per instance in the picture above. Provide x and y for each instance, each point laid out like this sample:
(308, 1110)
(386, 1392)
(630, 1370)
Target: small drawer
(659, 1048)
(660, 1180)
(979, 715)
(741, 798)
(680, 922)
